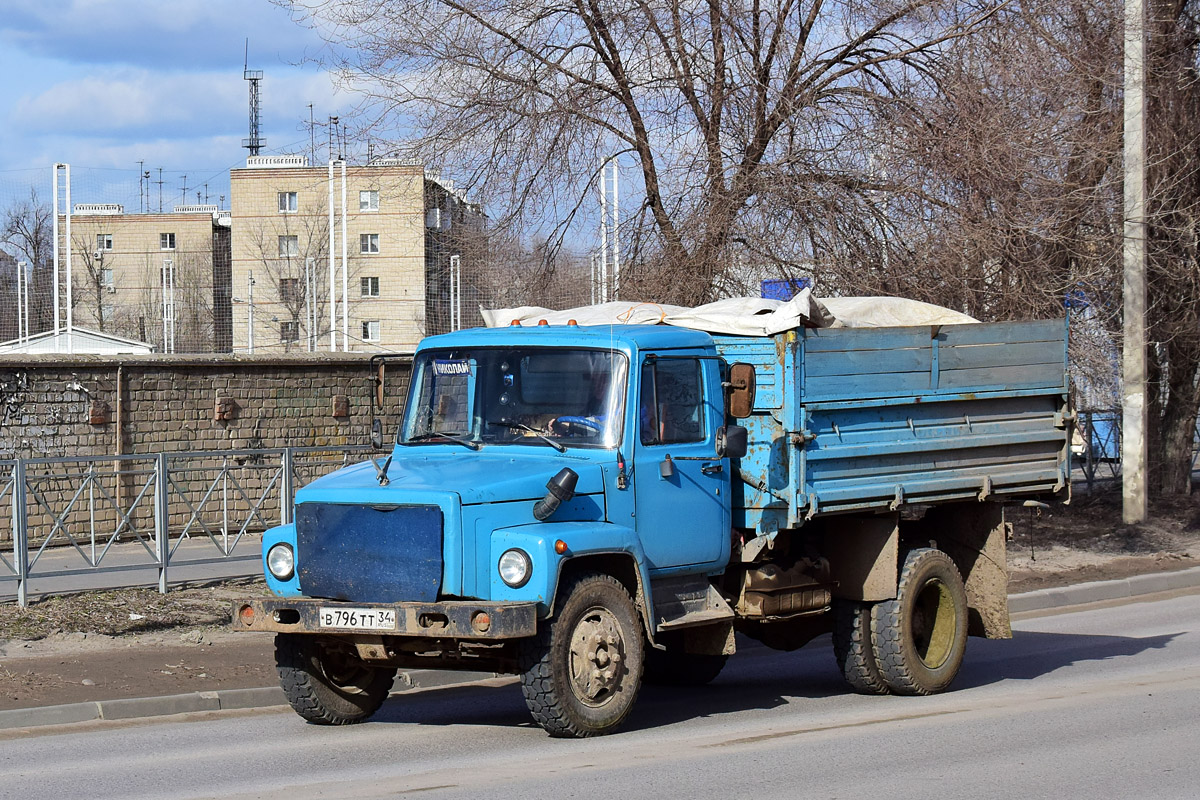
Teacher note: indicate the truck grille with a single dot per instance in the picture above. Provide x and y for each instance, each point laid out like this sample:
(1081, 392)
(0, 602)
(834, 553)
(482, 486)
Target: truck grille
(369, 554)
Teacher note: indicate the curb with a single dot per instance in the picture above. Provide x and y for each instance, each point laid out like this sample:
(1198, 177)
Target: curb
(221, 700)
(1098, 591)
(422, 679)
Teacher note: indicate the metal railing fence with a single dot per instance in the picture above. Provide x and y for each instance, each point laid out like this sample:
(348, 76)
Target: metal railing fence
(1100, 458)
(83, 516)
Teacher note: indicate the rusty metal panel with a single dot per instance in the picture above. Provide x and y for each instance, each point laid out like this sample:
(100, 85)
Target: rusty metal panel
(863, 554)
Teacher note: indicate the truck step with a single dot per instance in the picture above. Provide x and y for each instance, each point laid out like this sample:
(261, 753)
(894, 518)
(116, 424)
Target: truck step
(688, 602)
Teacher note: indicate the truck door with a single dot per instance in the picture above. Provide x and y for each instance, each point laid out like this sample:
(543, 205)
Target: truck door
(682, 518)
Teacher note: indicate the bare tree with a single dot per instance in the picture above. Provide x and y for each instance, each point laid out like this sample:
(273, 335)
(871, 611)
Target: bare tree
(715, 102)
(27, 234)
(290, 252)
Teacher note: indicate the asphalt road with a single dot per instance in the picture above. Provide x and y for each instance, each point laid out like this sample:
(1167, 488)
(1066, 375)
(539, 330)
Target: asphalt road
(1092, 704)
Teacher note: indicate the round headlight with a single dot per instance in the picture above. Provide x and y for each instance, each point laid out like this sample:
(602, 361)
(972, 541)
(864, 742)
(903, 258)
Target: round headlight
(281, 561)
(515, 568)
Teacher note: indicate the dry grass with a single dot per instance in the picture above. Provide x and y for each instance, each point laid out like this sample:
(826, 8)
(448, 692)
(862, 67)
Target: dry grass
(126, 611)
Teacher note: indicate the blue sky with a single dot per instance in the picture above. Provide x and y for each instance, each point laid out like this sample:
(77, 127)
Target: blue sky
(102, 84)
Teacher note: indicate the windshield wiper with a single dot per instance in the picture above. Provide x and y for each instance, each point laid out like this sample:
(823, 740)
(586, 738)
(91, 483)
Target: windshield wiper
(521, 426)
(453, 437)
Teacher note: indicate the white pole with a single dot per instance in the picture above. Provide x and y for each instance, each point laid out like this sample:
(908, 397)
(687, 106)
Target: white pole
(308, 303)
(332, 271)
(22, 303)
(56, 277)
(616, 240)
(1134, 448)
(250, 307)
(162, 276)
(70, 275)
(455, 292)
(345, 277)
(603, 237)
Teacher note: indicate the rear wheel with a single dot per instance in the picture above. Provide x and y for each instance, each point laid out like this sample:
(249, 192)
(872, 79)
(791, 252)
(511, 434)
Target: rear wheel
(921, 636)
(326, 682)
(853, 649)
(581, 673)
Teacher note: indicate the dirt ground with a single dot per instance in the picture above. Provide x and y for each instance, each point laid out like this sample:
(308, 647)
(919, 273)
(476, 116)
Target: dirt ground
(138, 643)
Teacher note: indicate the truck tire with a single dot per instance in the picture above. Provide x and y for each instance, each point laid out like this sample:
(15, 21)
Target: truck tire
(677, 668)
(581, 673)
(327, 684)
(853, 649)
(921, 636)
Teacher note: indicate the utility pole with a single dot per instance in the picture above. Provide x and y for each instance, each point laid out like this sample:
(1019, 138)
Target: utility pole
(1134, 448)
(332, 271)
(345, 277)
(250, 313)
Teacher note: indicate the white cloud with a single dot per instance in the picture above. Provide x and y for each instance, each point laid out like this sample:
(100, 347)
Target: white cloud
(168, 35)
(142, 103)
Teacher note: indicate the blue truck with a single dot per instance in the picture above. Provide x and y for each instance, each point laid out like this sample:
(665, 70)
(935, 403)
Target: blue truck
(591, 507)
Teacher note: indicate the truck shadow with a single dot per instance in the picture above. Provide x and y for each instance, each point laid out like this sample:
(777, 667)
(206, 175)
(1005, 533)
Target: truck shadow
(1032, 654)
(761, 679)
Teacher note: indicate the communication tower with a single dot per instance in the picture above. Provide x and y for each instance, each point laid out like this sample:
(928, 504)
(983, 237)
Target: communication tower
(255, 142)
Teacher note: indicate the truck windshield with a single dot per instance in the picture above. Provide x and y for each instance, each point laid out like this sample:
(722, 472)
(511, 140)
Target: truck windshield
(553, 397)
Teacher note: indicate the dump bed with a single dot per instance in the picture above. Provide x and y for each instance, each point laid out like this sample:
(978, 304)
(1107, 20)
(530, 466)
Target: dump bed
(873, 418)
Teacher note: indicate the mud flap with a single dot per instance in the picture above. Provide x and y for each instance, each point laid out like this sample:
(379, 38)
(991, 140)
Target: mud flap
(975, 536)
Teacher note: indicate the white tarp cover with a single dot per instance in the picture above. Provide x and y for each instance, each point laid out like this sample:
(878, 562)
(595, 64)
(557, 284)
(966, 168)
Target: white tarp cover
(615, 313)
(887, 312)
(744, 316)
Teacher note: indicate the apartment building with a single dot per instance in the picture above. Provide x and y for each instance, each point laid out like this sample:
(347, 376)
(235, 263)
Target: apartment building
(285, 296)
(160, 278)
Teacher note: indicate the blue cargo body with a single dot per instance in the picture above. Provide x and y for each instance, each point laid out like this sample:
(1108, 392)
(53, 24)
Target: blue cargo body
(874, 418)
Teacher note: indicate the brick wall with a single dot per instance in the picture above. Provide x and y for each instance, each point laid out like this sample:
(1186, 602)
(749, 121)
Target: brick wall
(56, 406)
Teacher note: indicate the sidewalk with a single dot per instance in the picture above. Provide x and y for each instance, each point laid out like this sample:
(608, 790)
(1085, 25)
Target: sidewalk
(64, 569)
(268, 696)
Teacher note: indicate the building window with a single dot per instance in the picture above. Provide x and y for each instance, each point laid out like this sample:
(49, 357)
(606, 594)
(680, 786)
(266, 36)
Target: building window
(106, 278)
(289, 289)
(107, 311)
(289, 246)
(370, 287)
(368, 200)
(104, 241)
(289, 330)
(288, 202)
(368, 243)
(370, 330)
(166, 241)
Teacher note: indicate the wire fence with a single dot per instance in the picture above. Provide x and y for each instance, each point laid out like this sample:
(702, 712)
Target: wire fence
(73, 519)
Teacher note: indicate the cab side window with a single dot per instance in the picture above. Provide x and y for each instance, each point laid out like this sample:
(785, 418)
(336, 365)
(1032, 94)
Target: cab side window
(671, 403)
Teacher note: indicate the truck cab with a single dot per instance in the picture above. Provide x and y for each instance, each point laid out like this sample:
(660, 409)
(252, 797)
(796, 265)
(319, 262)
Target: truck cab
(528, 458)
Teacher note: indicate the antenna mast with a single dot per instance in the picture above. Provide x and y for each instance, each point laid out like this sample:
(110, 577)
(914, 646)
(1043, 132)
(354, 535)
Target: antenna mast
(255, 142)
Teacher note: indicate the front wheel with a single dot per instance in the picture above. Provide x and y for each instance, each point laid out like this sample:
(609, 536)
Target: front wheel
(326, 683)
(921, 636)
(581, 673)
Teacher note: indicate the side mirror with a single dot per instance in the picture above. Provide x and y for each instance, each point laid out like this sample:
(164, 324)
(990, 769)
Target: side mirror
(739, 402)
(732, 441)
(377, 433)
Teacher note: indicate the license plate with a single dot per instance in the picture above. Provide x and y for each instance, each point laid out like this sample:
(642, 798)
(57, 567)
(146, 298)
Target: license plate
(366, 619)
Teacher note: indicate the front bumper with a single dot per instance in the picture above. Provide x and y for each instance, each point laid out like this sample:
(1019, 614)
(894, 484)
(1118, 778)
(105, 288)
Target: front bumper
(459, 619)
